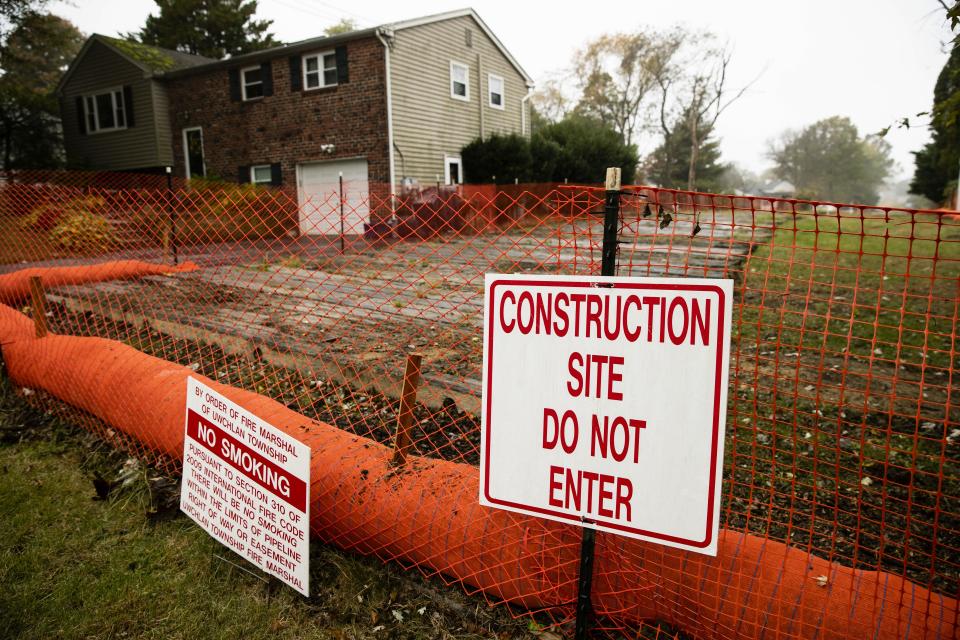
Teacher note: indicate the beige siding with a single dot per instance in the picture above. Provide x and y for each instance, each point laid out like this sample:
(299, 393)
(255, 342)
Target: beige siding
(427, 122)
(146, 144)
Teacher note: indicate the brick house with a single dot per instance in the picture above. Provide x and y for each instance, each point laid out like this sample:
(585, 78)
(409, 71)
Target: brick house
(377, 106)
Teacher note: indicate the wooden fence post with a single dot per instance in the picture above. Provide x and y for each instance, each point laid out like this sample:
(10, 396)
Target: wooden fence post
(38, 301)
(411, 381)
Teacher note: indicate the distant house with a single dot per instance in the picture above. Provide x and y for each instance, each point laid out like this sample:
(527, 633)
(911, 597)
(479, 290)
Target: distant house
(376, 106)
(779, 189)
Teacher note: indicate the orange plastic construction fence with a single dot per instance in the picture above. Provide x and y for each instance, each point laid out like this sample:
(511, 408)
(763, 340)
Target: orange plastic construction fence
(841, 488)
(754, 587)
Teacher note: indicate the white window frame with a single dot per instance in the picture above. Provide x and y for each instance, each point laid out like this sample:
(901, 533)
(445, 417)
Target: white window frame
(186, 152)
(503, 91)
(91, 98)
(466, 83)
(243, 82)
(320, 56)
(447, 161)
(253, 174)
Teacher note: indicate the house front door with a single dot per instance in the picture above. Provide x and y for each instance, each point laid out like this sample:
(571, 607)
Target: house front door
(193, 153)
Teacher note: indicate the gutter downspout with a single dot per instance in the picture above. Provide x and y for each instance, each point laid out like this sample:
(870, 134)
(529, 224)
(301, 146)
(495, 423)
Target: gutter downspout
(385, 37)
(523, 110)
(480, 95)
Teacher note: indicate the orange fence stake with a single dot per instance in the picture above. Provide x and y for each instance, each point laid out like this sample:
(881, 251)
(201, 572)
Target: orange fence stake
(411, 380)
(38, 301)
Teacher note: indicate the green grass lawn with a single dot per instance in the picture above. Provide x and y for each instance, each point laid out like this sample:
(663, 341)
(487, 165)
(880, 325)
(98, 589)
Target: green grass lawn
(844, 392)
(859, 283)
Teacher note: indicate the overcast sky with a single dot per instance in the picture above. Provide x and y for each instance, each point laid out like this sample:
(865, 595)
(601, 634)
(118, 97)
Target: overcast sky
(872, 60)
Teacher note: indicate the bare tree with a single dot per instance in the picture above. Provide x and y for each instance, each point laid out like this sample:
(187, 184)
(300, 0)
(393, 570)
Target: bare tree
(617, 74)
(693, 91)
(552, 99)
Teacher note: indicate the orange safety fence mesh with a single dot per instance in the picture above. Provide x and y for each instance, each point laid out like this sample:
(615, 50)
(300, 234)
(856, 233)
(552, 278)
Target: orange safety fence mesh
(843, 426)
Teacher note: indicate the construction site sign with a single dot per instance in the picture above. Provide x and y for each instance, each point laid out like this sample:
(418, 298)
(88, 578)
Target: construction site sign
(247, 484)
(604, 403)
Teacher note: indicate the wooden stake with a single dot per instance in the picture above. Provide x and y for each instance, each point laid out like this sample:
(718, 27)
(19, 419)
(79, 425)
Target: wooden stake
(38, 298)
(411, 380)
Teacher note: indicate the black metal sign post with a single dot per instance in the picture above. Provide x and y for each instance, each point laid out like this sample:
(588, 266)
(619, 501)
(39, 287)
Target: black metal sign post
(341, 213)
(611, 222)
(173, 215)
(608, 268)
(584, 606)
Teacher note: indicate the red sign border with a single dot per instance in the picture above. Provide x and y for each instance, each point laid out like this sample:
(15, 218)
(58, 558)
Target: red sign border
(611, 284)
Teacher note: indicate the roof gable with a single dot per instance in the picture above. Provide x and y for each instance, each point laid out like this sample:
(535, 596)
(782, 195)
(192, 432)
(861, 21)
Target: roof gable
(149, 59)
(439, 17)
(91, 45)
(156, 59)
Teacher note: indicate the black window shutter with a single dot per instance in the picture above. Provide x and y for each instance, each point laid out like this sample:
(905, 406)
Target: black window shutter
(235, 84)
(343, 73)
(128, 104)
(267, 75)
(276, 176)
(243, 174)
(81, 116)
(296, 75)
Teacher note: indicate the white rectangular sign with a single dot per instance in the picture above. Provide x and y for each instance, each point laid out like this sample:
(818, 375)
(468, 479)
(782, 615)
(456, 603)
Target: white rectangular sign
(604, 403)
(247, 484)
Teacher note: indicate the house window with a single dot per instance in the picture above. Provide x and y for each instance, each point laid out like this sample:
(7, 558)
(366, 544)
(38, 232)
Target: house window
(319, 70)
(495, 88)
(193, 153)
(261, 174)
(459, 81)
(105, 111)
(251, 79)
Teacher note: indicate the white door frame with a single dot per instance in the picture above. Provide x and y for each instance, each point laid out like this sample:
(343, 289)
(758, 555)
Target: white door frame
(186, 151)
(448, 159)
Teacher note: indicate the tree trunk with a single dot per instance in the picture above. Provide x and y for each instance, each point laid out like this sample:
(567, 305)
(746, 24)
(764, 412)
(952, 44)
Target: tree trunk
(7, 133)
(694, 156)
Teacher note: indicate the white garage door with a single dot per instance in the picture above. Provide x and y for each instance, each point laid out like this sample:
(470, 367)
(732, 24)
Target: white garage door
(319, 197)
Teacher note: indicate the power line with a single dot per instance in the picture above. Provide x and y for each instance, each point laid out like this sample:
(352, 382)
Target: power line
(362, 19)
(305, 10)
(326, 11)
